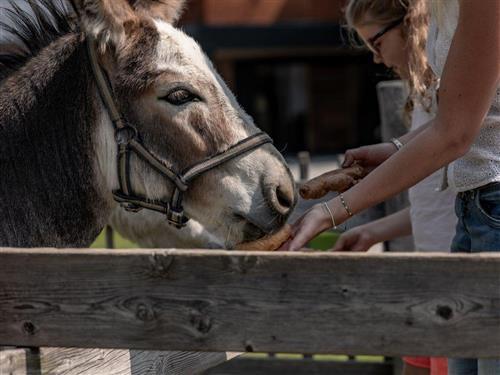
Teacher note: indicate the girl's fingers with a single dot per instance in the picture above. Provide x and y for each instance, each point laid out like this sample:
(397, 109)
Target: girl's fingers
(286, 245)
(360, 247)
(352, 155)
(348, 160)
(339, 245)
(306, 232)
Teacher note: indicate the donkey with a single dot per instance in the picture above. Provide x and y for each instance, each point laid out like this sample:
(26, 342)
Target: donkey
(149, 229)
(61, 152)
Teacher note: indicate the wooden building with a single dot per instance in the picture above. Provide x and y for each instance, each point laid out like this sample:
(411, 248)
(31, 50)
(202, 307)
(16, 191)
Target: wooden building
(291, 67)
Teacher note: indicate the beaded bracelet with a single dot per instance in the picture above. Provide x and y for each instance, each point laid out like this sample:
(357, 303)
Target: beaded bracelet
(349, 212)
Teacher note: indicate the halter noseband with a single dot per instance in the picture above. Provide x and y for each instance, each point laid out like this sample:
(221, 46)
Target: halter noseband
(128, 141)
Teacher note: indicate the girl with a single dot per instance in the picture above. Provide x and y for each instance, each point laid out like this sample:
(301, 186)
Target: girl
(404, 26)
(464, 51)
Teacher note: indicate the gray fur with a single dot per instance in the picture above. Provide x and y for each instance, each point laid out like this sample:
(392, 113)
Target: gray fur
(47, 189)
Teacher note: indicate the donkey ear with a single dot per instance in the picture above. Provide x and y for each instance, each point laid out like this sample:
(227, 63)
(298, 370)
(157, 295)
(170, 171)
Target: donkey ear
(108, 21)
(167, 10)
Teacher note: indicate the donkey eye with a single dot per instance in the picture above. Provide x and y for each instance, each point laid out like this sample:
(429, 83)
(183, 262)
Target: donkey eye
(180, 97)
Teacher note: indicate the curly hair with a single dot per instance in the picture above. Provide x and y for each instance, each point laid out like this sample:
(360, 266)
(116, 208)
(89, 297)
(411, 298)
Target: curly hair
(416, 21)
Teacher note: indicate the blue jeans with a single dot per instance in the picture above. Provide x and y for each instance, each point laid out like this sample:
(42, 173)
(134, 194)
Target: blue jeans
(478, 229)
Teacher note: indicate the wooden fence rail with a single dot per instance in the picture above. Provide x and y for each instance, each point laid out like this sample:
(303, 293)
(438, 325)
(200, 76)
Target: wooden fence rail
(383, 304)
(68, 361)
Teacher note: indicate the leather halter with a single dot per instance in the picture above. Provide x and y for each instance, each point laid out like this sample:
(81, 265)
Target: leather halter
(128, 141)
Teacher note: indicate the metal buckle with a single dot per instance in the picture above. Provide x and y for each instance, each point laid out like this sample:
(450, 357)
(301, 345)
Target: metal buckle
(131, 207)
(124, 135)
(177, 218)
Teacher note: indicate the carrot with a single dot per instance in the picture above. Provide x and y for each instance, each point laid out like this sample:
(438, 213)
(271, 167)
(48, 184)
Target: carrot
(270, 242)
(338, 180)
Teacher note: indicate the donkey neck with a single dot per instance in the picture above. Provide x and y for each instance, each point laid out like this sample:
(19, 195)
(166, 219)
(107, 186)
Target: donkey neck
(50, 195)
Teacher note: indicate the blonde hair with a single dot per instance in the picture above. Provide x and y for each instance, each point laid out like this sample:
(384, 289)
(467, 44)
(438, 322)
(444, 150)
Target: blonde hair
(415, 14)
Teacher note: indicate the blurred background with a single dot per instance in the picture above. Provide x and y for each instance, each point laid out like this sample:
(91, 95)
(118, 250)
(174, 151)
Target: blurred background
(290, 64)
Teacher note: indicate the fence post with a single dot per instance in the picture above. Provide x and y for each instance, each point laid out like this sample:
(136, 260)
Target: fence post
(304, 164)
(391, 99)
(110, 242)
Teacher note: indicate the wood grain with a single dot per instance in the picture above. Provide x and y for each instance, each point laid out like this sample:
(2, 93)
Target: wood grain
(246, 366)
(384, 304)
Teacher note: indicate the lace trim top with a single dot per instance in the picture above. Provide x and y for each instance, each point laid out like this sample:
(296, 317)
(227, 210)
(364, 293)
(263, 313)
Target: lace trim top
(481, 165)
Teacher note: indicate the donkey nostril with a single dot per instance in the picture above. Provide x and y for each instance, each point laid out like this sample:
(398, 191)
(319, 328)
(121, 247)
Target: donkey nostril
(285, 199)
(280, 195)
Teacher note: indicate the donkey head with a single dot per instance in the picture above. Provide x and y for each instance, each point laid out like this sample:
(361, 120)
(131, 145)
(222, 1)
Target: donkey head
(168, 89)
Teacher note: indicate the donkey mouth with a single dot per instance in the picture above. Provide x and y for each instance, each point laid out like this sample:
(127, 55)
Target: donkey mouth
(251, 230)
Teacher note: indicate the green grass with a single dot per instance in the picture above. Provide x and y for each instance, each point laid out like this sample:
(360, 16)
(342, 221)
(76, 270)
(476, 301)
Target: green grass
(324, 241)
(120, 242)
(318, 357)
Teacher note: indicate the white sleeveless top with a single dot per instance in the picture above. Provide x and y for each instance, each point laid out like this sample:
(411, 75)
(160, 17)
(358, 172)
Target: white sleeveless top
(481, 165)
(432, 214)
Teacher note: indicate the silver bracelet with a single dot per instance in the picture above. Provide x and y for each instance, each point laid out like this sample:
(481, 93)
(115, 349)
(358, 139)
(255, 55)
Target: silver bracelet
(330, 213)
(396, 142)
(346, 207)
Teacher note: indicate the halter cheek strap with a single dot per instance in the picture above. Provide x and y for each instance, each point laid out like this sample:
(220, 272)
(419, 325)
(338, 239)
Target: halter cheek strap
(128, 141)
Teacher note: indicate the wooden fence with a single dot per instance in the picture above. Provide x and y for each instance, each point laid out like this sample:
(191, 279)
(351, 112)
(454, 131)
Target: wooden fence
(218, 301)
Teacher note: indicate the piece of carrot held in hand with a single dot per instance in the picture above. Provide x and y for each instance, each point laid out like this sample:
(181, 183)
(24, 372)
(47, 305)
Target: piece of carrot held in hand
(270, 242)
(338, 180)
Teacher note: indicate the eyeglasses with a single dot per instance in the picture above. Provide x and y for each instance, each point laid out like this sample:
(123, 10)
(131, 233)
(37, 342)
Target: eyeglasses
(371, 42)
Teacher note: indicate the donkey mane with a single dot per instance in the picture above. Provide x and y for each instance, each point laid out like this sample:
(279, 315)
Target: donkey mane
(50, 196)
(33, 32)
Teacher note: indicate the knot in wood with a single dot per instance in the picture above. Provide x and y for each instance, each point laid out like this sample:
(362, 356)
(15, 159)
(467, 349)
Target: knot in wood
(160, 265)
(29, 328)
(243, 264)
(444, 312)
(249, 347)
(145, 313)
(201, 322)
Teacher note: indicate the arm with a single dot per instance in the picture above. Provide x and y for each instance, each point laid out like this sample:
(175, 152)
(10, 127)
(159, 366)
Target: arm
(467, 88)
(372, 156)
(363, 237)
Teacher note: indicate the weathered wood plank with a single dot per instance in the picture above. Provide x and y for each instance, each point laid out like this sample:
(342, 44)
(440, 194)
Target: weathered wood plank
(272, 366)
(390, 304)
(19, 362)
(13, 361)
(74, 361)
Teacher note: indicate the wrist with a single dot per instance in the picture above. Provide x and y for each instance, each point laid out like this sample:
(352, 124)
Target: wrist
(329, 213)
(324, 220)
(372, 234)
(339, 213)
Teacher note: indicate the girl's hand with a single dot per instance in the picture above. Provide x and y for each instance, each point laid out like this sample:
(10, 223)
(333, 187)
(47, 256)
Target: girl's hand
(369, 157)
(356, 239)
(313, 222)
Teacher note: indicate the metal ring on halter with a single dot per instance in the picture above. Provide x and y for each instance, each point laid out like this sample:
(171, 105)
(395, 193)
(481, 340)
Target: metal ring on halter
(125, 134)
(176, 218)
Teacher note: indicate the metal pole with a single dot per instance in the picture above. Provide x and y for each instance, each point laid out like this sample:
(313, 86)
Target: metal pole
(304, 164)
(110, 243)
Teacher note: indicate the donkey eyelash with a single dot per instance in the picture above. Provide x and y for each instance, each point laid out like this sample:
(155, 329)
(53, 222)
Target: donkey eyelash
(180, 96)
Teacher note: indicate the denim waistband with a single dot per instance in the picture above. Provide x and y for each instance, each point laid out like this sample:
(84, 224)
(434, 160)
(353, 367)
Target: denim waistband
(470, 194)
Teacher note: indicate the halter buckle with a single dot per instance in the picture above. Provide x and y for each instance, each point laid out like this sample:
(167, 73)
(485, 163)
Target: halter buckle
(125, 134)
(131, 207)
(177, 218)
